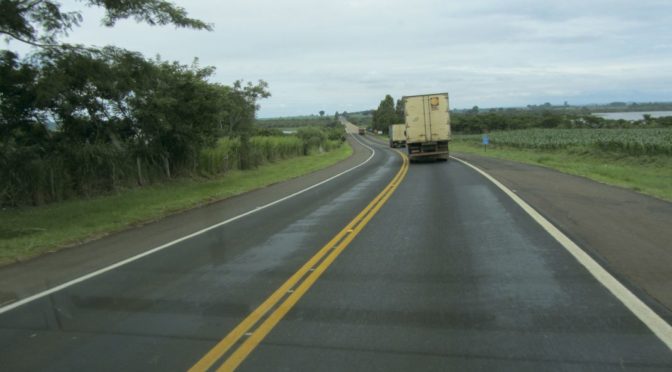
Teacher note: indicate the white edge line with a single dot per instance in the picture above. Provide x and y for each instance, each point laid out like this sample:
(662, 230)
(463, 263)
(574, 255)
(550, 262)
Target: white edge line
(649, 317)
(57, 288)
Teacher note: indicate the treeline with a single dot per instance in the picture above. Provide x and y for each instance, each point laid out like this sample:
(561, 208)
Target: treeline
(478, 122)
(387, 113)
(77, 121)
(297, 122)
(81, 121)
(362, 119)
(629, 107)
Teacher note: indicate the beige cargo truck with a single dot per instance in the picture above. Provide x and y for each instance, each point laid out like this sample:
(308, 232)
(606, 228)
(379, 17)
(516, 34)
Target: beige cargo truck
(397, 133)
(427, 126)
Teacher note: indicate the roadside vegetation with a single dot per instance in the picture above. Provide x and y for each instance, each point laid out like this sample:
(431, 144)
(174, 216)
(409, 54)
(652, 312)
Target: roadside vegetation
(632, 154)
(634, 141)
(94, 139)
(362, 119)
(298, 121)
(28, 232)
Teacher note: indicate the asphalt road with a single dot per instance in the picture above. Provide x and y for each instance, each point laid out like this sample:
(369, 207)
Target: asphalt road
(449, 274)
(629, 232)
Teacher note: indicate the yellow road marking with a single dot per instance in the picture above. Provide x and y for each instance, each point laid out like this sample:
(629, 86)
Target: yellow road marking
(338, 243)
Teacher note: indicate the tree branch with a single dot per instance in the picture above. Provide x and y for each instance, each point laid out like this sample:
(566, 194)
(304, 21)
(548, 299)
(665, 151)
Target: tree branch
(29, 42)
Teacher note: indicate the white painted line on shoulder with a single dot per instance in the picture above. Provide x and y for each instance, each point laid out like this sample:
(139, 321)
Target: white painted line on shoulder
(57, 288)
(649, 317)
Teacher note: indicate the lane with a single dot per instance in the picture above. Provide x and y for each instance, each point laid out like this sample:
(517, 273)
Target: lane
(452, 275)
(168, 309)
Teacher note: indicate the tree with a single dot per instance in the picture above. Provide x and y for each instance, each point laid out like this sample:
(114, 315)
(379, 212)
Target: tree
(240, 112)
(550, 119)
(647, 119)
(42, 22)
(399, 109)
(321, 113)
(385, 115)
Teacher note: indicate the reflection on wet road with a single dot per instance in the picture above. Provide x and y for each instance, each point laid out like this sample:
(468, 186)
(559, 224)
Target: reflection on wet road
(449, 275)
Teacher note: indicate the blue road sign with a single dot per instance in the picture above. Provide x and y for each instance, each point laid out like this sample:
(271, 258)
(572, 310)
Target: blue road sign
(486, 139)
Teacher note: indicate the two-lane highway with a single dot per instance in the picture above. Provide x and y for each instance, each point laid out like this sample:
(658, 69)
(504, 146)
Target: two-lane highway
(446, 273)
(166, 310)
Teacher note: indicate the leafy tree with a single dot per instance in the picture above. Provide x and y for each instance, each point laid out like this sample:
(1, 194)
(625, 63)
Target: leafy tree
(385, 115)
(321, 113)
(550, 119)
(239, 111)
(42, 22)
(23, 140)
(399, 109)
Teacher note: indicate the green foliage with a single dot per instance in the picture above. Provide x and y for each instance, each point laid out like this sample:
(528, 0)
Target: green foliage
(385, 115)
(479, 121)
(294, 122)
(226, 155)
(645, 141)
(77, 121)
(361, 119)
(399, 110)
(320, 139)
(642, 173)
(28, 232)
(42, 22)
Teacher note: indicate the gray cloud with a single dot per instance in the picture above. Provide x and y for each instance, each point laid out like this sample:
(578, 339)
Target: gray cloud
(347, 55)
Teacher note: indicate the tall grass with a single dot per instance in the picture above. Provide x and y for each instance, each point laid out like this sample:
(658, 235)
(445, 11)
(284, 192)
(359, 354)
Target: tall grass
(226, 155)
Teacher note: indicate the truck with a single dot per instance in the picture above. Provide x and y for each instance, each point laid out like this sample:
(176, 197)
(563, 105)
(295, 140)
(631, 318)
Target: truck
(427, 126)
(397, 133)
(361, 131)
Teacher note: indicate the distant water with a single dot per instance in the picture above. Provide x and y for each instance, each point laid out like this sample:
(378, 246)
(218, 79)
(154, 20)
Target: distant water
(632, 116)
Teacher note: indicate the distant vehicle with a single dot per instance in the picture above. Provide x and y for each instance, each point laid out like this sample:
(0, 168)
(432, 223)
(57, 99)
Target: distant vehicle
(397, 133)
(362, 131)
(427, 126)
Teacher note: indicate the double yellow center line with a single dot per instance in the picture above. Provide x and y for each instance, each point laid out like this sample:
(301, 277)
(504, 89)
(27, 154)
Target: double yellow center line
(242, 340)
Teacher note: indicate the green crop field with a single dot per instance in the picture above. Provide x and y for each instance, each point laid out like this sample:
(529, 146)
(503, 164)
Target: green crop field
(638, 158)
(645, 141)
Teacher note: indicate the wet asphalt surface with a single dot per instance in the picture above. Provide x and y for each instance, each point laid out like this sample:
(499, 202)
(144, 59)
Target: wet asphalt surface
(626, 231)
(449, 275)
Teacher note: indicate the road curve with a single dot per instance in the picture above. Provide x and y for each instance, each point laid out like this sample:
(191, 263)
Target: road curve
(449, 274)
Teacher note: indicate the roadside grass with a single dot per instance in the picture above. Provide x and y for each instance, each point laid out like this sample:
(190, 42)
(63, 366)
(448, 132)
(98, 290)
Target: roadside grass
(29, 232)
(651, 175)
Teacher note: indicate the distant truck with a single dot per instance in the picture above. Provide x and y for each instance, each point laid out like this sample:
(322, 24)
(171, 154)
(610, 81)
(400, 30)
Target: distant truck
(397, 133)
(427, 126)
(362, 131)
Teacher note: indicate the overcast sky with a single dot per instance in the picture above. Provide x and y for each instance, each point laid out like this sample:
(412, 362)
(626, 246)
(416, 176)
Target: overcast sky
(346, 55)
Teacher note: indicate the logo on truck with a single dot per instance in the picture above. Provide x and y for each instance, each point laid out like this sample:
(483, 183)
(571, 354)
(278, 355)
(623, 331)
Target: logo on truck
(434, 103)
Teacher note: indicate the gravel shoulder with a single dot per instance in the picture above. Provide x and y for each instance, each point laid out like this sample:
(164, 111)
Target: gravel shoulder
(628, 232)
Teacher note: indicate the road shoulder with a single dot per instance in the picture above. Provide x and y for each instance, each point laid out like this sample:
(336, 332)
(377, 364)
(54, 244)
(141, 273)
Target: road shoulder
(23, 279)
(626, 231)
